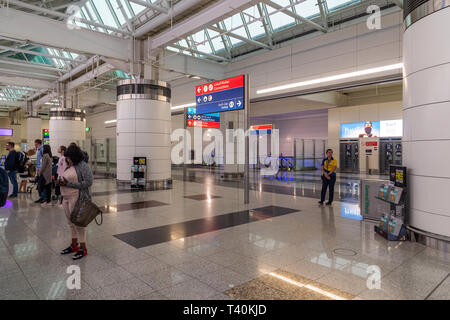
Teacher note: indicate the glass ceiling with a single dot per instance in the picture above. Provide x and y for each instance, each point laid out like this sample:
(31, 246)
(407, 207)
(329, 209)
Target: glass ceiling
(255, 23)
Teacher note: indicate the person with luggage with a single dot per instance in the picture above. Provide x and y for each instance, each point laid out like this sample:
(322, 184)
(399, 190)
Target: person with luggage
(46, 175)
(24, 172)
(75, 183)
(11, 166)
(329, 166)
(4, 186)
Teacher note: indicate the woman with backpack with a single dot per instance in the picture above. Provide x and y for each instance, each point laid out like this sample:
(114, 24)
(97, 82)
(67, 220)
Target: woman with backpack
(75, 183)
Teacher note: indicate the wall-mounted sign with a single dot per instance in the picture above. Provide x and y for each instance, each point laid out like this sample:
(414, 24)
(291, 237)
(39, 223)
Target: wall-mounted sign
(6, 132)
(209, 120)
(261, 129)
(385, 128)
(220, 96)
(391, 128)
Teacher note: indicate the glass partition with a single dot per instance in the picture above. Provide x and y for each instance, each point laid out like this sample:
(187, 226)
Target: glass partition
(308, 153)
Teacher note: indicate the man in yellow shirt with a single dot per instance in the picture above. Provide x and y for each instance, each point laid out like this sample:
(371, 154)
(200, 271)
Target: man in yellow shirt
(329, 166)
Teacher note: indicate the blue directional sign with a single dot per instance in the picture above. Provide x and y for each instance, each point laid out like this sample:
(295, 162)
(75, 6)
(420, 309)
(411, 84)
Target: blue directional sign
(220, 96)
(207, 120)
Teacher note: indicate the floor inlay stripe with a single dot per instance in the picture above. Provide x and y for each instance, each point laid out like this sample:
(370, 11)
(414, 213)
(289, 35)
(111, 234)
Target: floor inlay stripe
(151, 236)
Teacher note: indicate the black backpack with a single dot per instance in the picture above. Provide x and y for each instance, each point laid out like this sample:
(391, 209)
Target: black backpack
(22, 160)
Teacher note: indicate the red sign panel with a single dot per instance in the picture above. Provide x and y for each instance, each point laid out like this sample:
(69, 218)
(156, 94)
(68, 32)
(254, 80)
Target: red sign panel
(371, 144)
(261, 127)
(203, 124)
(221, 85)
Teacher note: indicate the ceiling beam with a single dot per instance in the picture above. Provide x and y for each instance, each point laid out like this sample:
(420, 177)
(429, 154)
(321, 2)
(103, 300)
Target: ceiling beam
(65, 16)
(26, 82)
(209, 55)
(7, 103)
(294, 15)
(209, 16)
(27, 73)
(52, 33)
(150, 5)
(231, 34)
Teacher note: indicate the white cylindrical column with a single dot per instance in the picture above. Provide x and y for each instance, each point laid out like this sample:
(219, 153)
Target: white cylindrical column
(33, 131)
(66, 126)
(426, 113)
(143, 130)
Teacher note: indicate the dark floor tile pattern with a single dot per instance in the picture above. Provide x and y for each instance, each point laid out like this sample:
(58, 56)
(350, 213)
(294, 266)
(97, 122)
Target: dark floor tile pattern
(132, 206)
(201, 197)
(151, 236)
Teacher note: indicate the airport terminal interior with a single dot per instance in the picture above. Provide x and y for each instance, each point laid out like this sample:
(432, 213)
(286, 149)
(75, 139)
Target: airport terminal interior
(224, 150)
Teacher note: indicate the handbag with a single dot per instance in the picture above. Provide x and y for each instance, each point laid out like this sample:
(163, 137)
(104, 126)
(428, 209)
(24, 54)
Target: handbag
(84, 212)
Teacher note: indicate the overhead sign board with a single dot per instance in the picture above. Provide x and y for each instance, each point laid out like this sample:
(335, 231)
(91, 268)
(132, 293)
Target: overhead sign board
(220, 96)
(209, 120)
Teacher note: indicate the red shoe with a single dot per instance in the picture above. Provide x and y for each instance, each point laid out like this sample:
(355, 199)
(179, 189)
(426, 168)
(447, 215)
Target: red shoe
(80, 254)
(70, 249)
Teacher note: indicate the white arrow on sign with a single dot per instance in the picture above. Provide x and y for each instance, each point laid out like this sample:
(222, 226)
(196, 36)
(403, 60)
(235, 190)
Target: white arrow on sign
(239, 103)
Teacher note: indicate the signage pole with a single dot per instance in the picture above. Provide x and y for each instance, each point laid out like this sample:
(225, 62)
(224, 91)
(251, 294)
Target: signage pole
(247, 139)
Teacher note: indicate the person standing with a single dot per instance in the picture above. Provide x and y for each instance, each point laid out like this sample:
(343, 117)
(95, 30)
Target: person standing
(75, 183)
(11, 167)
(62, 165)
(46, 174)
(4, 186)
(329, 166)
(39, 151)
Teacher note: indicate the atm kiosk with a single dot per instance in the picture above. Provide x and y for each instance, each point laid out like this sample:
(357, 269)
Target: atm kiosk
(390, 153)
(349, 156)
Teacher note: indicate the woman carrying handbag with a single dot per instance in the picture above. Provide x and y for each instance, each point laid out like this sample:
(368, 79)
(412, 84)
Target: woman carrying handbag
(75, 183)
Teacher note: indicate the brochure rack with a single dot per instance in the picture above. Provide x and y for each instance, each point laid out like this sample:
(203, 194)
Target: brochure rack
(139, 173)
(392, 222)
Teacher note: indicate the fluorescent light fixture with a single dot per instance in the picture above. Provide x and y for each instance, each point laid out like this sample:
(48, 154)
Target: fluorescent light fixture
(110, 121)
(182, 106)
(332, 78)
(307, 286)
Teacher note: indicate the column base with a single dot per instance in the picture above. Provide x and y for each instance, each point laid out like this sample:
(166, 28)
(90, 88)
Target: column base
(165, 184)
(438, 242)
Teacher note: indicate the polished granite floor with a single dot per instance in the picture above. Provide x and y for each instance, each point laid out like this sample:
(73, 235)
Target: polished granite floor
(200, 241)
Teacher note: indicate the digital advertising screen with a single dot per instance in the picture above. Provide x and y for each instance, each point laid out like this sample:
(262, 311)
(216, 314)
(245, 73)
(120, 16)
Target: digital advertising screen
(220, 96)
(360, 129)
(6, 132)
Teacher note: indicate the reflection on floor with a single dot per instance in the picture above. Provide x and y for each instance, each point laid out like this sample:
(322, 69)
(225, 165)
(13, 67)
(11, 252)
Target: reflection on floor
(283, 285)
(199, 254)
